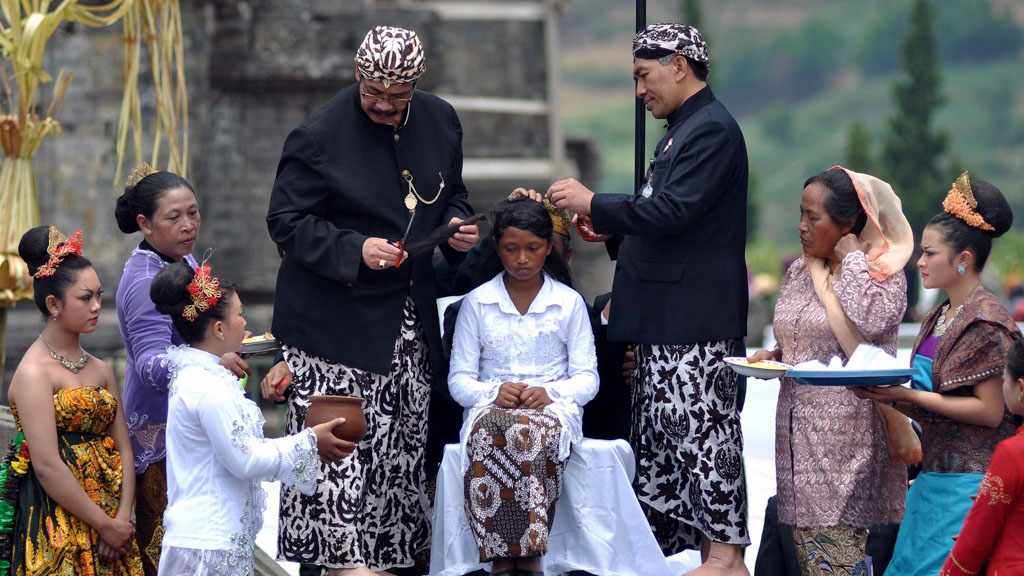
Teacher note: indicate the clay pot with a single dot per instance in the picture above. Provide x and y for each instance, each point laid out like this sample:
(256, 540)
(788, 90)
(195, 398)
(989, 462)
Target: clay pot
(326, 408)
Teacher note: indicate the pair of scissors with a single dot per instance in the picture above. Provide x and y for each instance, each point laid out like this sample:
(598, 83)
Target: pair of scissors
(401, 243)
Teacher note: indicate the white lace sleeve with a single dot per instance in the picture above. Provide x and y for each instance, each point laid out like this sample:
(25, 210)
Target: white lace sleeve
(581, 385)
(301, 464)
(464, 371)
(232, 423)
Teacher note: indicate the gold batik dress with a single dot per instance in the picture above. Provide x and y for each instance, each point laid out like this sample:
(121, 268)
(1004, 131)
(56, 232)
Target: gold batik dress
(49, 540)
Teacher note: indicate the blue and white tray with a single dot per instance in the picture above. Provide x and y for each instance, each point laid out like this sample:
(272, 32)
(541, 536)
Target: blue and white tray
(851, 377)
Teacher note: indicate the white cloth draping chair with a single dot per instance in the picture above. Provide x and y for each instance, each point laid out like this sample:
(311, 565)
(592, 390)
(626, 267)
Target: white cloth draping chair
(598, 528)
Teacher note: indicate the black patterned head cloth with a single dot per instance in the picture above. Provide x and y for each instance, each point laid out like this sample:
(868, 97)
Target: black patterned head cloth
(658, 40)
(391, 56)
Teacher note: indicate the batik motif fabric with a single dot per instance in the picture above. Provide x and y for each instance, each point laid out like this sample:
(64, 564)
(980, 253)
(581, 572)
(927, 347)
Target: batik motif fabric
(972, 350)
(391, 56)
(150, 504)
(689, 447)
(659, 40)
(831, 551)
(369, 509)
(832, 463)
(49, 540)
(513, 481)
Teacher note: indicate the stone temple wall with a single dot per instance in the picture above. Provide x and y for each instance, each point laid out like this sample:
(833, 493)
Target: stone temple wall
(256, 69)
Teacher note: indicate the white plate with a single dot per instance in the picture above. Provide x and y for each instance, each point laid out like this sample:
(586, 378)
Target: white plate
(741, 366)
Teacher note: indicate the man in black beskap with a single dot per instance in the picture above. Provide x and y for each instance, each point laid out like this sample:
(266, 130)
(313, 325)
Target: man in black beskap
(353, 321)
(680, 297)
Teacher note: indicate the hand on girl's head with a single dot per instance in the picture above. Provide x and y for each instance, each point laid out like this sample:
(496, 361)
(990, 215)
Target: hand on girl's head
(524, 193)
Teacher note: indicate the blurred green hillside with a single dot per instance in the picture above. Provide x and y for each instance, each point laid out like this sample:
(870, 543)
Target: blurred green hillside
(797, 73)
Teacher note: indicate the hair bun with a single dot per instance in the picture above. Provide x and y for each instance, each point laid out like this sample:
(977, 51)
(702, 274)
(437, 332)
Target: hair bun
(993, 207)
(124, 212)
(32, 248)
(169, 291)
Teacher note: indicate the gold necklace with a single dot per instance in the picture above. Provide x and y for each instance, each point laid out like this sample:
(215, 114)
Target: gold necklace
(74, 366)
(940, 325)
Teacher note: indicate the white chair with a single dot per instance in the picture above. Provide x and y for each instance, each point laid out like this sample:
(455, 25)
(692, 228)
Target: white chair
(598, 528)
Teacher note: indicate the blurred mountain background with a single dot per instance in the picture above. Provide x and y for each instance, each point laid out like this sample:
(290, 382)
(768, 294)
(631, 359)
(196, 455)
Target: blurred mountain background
(813, 84)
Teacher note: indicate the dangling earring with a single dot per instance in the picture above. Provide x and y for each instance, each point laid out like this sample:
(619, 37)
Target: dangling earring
(56, 315)
(221, 336)
(1020, 396)
(961, 270)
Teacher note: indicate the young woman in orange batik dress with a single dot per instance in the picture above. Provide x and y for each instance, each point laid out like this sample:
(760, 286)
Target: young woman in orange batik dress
(70, 479)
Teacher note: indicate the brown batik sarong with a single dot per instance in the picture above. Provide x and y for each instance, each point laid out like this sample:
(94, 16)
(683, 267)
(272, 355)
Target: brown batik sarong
(513, 481)
(831, 551)
(150, 503)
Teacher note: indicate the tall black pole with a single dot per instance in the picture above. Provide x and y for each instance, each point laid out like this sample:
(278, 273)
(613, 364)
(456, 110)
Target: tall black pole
(639, 151)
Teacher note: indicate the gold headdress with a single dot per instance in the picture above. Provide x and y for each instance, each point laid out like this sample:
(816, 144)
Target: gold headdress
(560, 219)
(960, 202)
(59, 248)
(140, 172)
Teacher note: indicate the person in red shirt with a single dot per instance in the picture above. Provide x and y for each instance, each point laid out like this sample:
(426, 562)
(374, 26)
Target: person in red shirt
(991, 541)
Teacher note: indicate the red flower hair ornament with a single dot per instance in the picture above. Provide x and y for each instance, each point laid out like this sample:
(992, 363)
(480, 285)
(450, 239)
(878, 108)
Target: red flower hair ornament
(205, 292)
(59, 248)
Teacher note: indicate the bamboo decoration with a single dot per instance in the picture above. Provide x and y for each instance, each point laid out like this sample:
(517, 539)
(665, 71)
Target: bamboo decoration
(159, 23)
(25, 28)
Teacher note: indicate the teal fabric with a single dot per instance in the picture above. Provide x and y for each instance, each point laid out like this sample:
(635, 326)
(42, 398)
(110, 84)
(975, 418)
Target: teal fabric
(937, 504)
(922, 377)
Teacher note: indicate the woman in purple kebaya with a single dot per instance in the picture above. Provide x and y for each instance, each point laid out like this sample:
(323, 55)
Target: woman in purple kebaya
(163, 207)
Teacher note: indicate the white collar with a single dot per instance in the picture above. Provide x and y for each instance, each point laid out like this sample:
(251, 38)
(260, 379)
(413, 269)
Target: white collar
(154, 256)
(185, 355)
(495, 292)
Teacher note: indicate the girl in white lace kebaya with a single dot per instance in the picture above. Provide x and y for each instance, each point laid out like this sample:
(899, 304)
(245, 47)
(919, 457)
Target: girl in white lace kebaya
(523, 365)
(216, 453)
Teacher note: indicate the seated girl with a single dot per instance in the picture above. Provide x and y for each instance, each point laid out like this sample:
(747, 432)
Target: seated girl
(67, 489)
(216, 454)
(522, 366)
(991, 540)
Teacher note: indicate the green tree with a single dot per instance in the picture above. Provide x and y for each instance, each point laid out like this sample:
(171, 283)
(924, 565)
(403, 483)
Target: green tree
(914, 148)
(692, 15)
(858, 148)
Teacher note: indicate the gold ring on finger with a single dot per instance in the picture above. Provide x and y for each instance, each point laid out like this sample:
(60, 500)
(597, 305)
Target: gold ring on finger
(383, 263)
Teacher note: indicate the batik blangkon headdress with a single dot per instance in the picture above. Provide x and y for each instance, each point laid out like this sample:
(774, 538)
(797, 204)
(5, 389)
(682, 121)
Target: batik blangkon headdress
(659, 40)
(391, 55)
